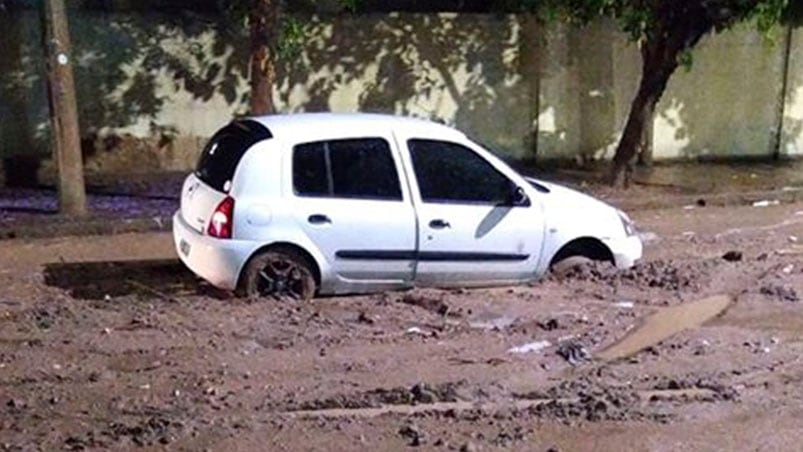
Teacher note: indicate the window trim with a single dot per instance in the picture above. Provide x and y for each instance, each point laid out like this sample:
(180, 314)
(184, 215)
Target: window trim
(330, 177)
(421, 198)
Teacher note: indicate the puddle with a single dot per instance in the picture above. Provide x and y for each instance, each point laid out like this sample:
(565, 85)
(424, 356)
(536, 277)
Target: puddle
(666, 323)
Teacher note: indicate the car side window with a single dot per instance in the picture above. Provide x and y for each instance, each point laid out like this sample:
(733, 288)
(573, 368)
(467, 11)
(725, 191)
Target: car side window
(450, 172)
(352, 168)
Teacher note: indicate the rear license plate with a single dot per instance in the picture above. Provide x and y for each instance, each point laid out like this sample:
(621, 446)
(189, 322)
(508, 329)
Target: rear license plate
(184, 247)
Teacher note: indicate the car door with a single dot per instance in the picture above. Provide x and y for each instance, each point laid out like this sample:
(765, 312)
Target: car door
(349, 200)
(471, 229)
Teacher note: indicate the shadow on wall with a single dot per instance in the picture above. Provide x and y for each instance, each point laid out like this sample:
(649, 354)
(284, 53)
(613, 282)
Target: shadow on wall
(121, 64)
(463, 70)
(711, 112)
(578, 116)
(166, 76)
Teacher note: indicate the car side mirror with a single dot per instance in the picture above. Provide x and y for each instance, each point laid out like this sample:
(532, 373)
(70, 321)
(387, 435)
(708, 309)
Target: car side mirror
(518, 197)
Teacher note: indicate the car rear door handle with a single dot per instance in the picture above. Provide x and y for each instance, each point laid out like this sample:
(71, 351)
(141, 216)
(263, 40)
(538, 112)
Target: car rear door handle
(439, 224)
(319, 219)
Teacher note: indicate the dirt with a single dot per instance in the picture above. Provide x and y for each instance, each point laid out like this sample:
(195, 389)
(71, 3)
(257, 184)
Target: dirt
(108, 343)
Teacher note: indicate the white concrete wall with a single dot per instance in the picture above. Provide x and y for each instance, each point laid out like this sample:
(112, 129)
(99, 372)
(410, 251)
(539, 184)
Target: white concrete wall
(792, 133)
(511, 83)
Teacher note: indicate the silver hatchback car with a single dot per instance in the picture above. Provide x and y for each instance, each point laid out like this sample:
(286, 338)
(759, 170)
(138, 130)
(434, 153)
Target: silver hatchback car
(291, 206)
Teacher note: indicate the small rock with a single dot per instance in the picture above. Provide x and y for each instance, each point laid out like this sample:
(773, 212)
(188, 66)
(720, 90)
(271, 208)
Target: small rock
(732, 256)
(423, 394)
(701, 202)
(574, 353)
(412, 432)
(16, 403)
(549, 325)
(364, 318)
(469, 447)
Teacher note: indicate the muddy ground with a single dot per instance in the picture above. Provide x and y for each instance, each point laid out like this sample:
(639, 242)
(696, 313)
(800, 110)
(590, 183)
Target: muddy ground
(107, 343)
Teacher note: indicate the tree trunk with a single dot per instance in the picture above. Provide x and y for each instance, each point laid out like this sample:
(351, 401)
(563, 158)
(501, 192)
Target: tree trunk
(658, 64)
(264, 21)
(63, 109)
(645, 149)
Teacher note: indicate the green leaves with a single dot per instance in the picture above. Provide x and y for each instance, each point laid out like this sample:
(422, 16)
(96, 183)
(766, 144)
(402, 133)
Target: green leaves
(769, 12)
(641, 18)
(291, 39)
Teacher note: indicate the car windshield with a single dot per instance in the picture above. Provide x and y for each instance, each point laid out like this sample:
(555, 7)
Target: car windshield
(224, 151)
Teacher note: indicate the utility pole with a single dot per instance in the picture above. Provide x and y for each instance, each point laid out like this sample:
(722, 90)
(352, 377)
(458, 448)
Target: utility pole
(63, 110)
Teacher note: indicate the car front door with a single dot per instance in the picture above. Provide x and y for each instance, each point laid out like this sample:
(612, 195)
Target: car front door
(473, 226)
(349, 200)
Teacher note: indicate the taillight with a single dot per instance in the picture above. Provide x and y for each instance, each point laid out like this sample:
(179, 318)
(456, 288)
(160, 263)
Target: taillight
(222, 221)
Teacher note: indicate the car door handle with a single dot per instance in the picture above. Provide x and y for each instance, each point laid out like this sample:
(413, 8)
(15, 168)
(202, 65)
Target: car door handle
(439, 224)
(319, 219)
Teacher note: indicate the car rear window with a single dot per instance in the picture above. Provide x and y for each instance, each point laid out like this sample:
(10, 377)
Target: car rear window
(224, 151)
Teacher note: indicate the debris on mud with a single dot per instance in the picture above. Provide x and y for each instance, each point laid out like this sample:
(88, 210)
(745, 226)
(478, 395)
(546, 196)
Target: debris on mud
(660, 274)
(536, 346)
(423, 300)
(492, 322)
(365, 318)
(419, 393)
(732, 256)
(414, 434)
(574, 353)
(684, 387)
(549, 325)
(766, 203)
(156, 430)
(593, 406)
(780, 292)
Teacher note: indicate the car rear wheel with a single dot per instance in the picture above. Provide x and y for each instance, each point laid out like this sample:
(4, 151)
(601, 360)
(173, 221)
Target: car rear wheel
(278, 274)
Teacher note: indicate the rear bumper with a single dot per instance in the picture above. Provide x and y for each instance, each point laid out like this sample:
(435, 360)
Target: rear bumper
(626, 251)
(217, 261)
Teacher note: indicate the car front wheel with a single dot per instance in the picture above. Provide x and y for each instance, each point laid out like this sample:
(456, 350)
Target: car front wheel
(279, 274)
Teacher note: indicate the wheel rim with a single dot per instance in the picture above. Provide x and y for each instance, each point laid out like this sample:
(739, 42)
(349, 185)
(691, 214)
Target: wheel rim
(282, 278)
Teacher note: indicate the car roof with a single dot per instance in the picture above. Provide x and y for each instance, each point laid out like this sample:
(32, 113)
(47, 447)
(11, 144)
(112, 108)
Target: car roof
(306, 124)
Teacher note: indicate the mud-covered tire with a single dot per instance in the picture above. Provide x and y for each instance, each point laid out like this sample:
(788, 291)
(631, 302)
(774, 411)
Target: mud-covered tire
(564, 266)
(279, 274)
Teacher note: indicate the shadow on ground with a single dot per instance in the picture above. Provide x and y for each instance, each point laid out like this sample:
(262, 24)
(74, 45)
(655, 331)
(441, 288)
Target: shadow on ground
(167, 279)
